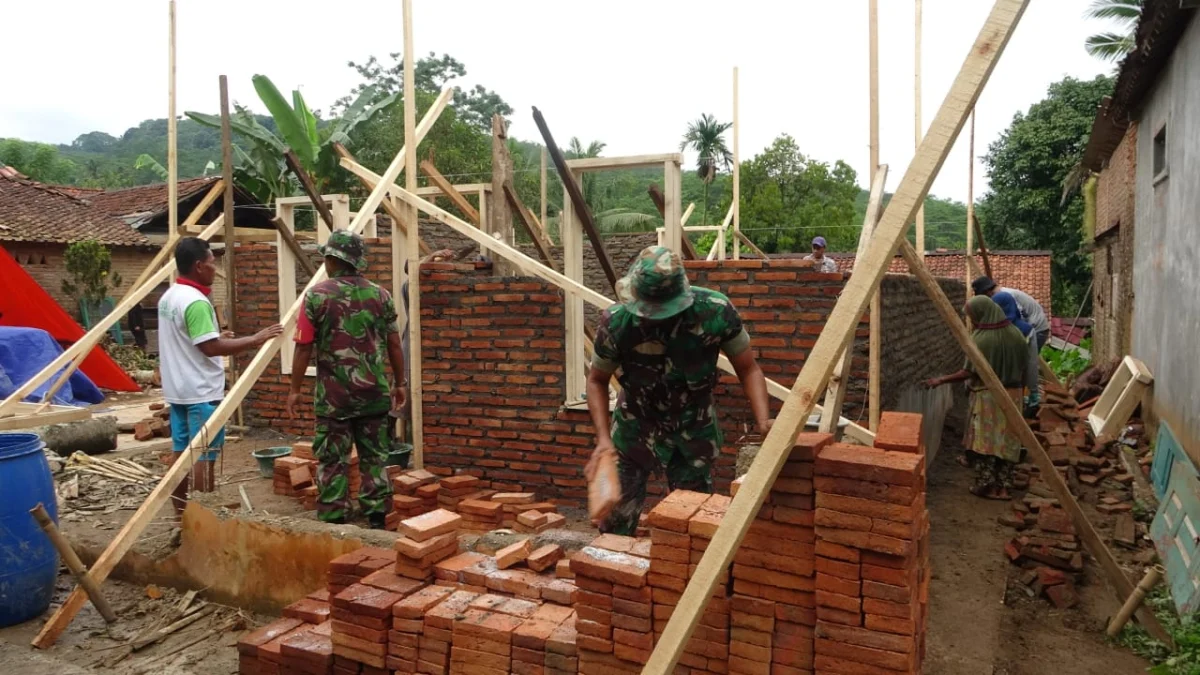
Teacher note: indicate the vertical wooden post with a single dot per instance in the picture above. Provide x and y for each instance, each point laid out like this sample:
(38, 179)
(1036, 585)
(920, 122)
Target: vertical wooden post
(571, 233)
(172, 136)
(543, 221)
(672, 198)
(415, 389)
(918, 128)
(875, 341)
(230, 236)
(970, 203)
(499, 222)
(737, 177)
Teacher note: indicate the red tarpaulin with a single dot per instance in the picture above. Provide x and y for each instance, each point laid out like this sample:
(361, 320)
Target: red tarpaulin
(23, 303)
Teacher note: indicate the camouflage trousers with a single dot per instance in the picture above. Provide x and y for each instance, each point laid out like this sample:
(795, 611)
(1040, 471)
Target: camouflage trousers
(332, 444)
(685, 456)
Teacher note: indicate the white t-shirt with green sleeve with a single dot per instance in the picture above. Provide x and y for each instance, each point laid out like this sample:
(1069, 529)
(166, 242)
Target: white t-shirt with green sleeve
(186, 319)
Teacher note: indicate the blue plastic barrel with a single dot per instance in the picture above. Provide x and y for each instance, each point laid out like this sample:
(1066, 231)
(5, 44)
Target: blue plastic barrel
(28, 561)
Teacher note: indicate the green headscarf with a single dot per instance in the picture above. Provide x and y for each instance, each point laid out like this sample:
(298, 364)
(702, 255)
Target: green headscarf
(1002, 344)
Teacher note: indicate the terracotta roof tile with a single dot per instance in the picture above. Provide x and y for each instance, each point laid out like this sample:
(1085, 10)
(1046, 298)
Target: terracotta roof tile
(1027, 271)
(31, 211)
(145, 199)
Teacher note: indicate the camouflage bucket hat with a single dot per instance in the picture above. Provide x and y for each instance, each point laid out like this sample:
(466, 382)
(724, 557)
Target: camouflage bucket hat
(346, 246)
(656, 286)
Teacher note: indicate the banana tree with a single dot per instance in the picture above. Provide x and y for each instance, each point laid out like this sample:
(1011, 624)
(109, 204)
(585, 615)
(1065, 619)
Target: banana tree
(262, 169)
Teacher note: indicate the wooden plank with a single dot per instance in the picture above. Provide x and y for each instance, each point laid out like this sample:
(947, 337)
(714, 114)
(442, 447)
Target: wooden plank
(289, 239)
(532, 227)
(389, 205)
(627, 162)
(230, 229)
(835, 393)
(573, 288)
(415, 386)
(27, 418)
(576, 197)
(97, 332)
(1017, 424)
(125, 539)
(660, 203)
(543, 211)
(712, 252)
(460, 202)
(970, 202)
(736, 203)
(310, 190)
(873, 84)
(672, 207)
(168, 249)
(574, 328)
(983, 250)
(250, 234)
(751, 245)
(500, 218)
(839, 328)
(48, 397)
(918, 131)
(172, 135)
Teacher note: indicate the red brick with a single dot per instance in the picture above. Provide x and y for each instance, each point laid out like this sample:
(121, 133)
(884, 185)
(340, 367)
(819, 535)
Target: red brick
(885, 560)
(560, 591)
(828, 582)
(416, 605)
(430, 525)
(845, 570)
(872, 508)
(866, 540)
(892, 609)
(674, 511)
(308, 611)
(532, 518)
(850, 487)
(890, 624)
(839, 616)
(250, 643)
(842, 521)
(868, 464)
(367, 600)
(513, 554)
(900, 432)
(896, 577)
(415, 550)
(618, 568)
(864, 637)
(451, 569)
(865, 655)
(744, 666)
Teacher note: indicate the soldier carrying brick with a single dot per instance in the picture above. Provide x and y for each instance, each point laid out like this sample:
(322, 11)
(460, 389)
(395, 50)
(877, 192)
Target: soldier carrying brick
(665, 338)
(351, 324)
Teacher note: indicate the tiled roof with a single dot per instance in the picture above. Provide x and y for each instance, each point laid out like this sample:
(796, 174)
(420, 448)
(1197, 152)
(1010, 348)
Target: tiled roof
(137, 204)
(31, 211)
(1027, 271)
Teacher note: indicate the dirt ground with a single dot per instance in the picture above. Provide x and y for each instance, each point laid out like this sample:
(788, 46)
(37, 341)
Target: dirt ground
(978, 625)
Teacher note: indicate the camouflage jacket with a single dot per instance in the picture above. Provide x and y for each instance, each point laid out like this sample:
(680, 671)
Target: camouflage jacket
(669, 367)
(349, 320)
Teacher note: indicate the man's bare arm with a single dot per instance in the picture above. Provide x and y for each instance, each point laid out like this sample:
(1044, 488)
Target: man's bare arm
(754, 383)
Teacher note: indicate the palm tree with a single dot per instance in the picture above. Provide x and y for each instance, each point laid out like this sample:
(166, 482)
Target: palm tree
(1113, 46)
(707, 137)
(607, 221)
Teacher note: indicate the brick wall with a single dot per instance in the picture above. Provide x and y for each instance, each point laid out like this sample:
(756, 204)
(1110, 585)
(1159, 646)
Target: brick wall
(1112, 258)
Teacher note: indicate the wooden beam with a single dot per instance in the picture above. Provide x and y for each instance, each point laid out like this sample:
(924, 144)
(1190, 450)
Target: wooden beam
(172, 135)
(500, 217)
(27, 417)
(168, 248)
(309, 188)
(125, 539)
(415, 385)
(737, 176)
(660, 203)
(835, 394)
(543, 211)
(72, 562)
(917, 127)
(230, 229)
(97, 332)
(532, 227)
(609, 163)
(289, 240)
(983, 251)
(751, 245)
(970, 249)
(712, 252)
(875, 342)
(672, 207)
(1122, 586)
(581, 208)
(389, 205)
(534, 268)
(460, 202)
(839, 329)
(252, 234)
(48, 397)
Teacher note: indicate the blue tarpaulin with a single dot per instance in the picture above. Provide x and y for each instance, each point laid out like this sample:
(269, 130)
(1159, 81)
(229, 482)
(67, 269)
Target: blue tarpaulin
(24, 352)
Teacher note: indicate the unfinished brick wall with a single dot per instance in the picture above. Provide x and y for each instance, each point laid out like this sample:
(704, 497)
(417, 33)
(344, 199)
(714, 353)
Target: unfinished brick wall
(915, 344)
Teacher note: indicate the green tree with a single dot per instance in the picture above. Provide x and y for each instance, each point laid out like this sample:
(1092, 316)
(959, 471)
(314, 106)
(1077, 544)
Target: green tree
(89, 265)
(1113, 46)
(1026, 167)
(788, 198)
(38, 161)
(707, 137)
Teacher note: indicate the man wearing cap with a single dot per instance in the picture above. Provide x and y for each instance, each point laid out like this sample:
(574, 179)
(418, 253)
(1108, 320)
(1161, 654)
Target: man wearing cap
(664, 338)
(351, 324)
(822, 262)
(1031, 311)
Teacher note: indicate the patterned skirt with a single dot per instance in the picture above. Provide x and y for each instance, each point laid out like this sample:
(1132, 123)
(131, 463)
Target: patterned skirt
(992, 449)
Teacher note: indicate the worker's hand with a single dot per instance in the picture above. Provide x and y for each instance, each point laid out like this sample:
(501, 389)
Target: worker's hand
(399, 397)
(932, 382)
(293, 400)
(602, 448)
(227, 335)
(443, 255)
(765, 427)
(268, 333)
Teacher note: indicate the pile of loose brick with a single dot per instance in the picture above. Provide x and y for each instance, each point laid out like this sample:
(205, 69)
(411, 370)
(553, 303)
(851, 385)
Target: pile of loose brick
(831, 578)
(157, 425)
(1047, 548)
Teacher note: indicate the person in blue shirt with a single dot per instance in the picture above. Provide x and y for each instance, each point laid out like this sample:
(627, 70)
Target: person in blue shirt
(1013, 313)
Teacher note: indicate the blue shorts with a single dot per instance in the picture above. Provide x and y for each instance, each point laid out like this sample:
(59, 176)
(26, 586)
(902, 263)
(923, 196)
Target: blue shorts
(187, 420)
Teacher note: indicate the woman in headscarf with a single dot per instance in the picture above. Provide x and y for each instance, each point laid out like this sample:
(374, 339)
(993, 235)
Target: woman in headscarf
(1033, 395)
(991, 449)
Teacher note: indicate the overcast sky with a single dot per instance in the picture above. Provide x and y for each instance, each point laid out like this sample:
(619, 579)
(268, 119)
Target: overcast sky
(631, 74)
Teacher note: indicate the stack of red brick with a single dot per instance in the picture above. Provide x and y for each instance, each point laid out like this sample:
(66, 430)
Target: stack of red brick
(406, 501)
(293, 475)
(615, 607)
(872, 548)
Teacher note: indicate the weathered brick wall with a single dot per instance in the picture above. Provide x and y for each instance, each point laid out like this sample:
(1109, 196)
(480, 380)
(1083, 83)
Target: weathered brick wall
(1112, 260)
(915, 343)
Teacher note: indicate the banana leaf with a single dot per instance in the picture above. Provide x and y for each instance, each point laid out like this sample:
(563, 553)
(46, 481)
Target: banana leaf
(144, 160)
(306, 116)
(239, 124)
(353, 110)
(293, 130)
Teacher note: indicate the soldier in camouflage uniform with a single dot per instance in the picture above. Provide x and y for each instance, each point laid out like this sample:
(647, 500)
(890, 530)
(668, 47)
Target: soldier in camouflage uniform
(663, 339)
(351, 324)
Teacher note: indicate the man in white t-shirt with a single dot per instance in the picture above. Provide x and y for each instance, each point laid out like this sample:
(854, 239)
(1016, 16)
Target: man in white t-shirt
(822, 262)
(190, 347)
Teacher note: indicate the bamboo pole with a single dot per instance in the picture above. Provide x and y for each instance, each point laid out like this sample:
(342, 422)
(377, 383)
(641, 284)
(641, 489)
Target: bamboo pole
(73, 563)
(970, 203)
(917, 126)
(737, 176)
(415, 388)
(172, 137)
(230, 231)
(875, 341)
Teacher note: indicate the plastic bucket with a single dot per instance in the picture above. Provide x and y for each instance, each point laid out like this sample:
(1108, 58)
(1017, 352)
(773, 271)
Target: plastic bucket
(266, 459)
(28, 561)
(399, 455)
